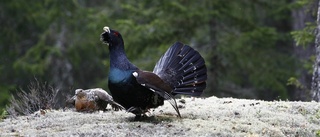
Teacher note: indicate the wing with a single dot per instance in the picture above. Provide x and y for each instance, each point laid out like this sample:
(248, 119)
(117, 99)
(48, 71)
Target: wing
(157, 85)
(102, 95)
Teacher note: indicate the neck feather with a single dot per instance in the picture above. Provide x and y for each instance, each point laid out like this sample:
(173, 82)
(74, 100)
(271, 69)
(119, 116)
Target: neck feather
(118, 58)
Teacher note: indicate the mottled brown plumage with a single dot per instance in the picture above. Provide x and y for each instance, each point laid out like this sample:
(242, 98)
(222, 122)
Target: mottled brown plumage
(92, 100)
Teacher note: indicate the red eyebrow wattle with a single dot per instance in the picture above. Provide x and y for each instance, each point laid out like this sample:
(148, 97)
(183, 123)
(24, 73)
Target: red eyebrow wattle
(116, 33)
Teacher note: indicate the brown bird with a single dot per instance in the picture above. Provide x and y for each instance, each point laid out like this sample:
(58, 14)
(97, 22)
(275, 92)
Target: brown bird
(92, 100)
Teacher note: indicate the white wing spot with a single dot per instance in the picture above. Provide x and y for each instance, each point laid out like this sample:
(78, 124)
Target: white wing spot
(135, 74)
(152, 90)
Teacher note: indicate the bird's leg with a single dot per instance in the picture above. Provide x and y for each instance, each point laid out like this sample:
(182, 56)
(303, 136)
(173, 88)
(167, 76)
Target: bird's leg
(149, 113)
(137, 117)
(140, 113)
(135, 110)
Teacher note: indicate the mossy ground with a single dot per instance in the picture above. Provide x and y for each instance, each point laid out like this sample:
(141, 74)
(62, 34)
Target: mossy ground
(200, 117)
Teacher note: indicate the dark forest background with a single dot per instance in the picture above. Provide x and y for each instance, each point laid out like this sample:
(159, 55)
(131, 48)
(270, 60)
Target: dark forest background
(257, 49)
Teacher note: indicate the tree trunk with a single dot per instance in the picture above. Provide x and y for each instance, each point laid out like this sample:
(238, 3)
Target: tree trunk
(300, 17)
(60, 66)
(315, 88)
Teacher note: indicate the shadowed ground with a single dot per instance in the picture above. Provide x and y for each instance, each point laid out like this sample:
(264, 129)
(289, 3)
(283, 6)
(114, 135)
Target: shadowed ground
(201, 117)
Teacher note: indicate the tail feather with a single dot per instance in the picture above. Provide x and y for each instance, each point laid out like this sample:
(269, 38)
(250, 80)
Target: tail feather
(193, 91)
(184, 69)
(189, 61)
(185, 51)
(195, 80)
(196, 74)
(196, 64)
(163, 62)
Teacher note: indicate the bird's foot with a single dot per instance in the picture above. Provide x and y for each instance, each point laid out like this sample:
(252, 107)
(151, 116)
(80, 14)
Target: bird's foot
(135, 110)
(140, 113)
(149, 113)
(142, 117)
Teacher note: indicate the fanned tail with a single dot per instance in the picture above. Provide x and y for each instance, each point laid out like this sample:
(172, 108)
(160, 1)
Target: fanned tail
(184, 69)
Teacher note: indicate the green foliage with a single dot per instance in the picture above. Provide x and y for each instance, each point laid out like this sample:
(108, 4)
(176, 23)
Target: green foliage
(295, 82)
(245, 43)
(3, 114)
(303, 2)
(318, 133)
(4, 95)
(308, 64)
(254, 53)
(305, 36)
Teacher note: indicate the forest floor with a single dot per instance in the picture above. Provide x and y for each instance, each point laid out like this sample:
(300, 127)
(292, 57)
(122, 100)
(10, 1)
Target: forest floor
(200, 117)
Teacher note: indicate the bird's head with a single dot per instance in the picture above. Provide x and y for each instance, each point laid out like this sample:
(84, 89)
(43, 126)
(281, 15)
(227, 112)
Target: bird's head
(80, 93)
(111, 37)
